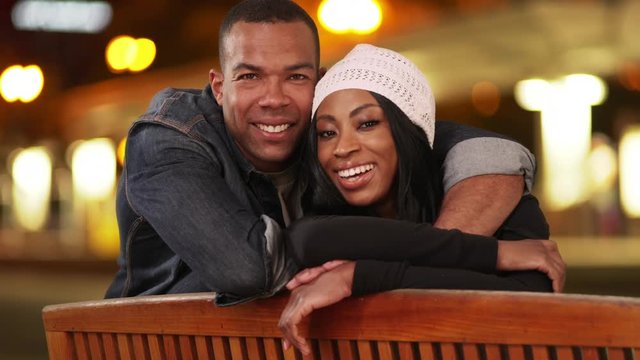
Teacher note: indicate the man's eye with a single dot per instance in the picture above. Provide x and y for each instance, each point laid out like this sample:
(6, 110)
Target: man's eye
(326, 134)
(249, 76)
(369, 123)
(298, 77)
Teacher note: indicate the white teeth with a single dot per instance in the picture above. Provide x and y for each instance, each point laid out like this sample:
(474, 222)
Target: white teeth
(273, 129)
(355, 171)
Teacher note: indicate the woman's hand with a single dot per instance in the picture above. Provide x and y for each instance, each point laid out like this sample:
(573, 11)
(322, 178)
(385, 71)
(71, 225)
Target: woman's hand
(326, 289)
(540, 255)
(309, 274)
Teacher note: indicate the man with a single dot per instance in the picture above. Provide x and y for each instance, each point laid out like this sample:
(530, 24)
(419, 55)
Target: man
(209, 179)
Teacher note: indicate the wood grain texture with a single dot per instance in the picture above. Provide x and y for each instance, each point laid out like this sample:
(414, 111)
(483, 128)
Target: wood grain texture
(469, 324)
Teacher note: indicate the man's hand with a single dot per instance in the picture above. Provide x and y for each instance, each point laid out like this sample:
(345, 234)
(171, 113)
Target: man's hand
(480, 204)
(540, 255)
(328, 288)
(309, 274)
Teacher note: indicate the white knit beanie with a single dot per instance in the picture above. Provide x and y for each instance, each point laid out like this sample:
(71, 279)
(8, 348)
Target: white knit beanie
(387, 73)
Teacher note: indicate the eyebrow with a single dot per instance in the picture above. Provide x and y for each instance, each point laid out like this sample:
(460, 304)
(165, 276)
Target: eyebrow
(352, 113)
(251, 67)
(246, 66)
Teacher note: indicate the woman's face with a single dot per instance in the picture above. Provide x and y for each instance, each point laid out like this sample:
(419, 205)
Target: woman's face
(356, 149)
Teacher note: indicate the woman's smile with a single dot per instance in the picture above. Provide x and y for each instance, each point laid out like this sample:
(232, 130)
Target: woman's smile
(355, 177)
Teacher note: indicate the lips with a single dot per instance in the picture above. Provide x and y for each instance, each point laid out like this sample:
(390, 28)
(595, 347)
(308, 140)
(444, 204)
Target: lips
(273, 129)
(355, 177)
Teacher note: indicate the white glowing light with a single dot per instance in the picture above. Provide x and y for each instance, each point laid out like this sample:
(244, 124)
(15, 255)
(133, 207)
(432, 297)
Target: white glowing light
(31, 173)
(565, 107)
(93, 166)
(357, 16)
(630, 172)
(21, 83)
(62, 16)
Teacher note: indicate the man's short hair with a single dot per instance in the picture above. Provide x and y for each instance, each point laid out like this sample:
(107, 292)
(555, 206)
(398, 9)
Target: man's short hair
(265, 11)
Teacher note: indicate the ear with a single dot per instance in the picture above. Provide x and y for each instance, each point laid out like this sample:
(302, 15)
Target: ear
(216, 79)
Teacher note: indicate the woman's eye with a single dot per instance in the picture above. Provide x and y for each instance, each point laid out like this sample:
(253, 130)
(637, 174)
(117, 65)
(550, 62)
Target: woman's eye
(369, 123)
(326, 134)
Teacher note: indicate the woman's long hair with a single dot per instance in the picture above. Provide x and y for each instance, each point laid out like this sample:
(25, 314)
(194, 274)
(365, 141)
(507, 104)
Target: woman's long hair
(418, 183)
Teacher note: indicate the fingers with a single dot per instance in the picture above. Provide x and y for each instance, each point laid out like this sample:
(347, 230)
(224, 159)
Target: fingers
(291, 317)
(330, 265)
(308, 275)
(553, 265)
(305, 276)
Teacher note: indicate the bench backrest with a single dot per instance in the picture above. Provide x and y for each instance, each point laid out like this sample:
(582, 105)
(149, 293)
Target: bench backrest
(405, 324)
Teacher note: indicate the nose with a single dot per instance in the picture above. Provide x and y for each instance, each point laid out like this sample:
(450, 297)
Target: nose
(274, 94)
(346, 145)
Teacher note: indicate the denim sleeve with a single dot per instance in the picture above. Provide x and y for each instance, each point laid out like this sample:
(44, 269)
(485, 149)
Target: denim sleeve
(465, 151)
(177, 186)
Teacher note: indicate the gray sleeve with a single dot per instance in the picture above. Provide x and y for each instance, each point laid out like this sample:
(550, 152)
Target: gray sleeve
(487, 156)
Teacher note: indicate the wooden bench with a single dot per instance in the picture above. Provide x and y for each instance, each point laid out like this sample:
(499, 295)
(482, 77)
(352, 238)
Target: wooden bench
(405, 324)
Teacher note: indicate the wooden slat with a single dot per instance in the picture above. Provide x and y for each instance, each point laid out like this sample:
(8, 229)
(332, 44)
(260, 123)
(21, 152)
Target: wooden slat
(110, 344)
(125, 346)
(203, 347)
(384, 350)
(60, 345)
(221, 348)
(82, 347)
(237, 351)
(156, 347)
(516, 352)
(564, 353)
(326, 349)
(171, 347)
(187, 347)
(140, 347)
(470, 352)
(492, 351)
(616, 353)
(271, 348)
(253, 348)
(95, 346)
(291, 354)
(540, 352)
(405, 351)
(448, 351)
(426, 351)
(589, 353)
(364, 350)
(345, 350)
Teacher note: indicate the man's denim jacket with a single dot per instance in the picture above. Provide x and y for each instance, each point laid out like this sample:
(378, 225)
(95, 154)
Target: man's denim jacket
(194, 214)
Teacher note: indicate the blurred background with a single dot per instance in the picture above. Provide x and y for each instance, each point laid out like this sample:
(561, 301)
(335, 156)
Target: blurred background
(561, 77)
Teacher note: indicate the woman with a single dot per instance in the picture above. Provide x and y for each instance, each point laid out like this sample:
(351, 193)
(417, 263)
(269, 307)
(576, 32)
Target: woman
(371, 162)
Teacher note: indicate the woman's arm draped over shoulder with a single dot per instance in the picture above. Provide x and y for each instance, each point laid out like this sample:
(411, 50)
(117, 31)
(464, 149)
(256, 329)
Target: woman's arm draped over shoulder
(526, 220)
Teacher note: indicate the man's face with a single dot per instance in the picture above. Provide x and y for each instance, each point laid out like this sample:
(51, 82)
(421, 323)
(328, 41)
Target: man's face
(266, 88)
